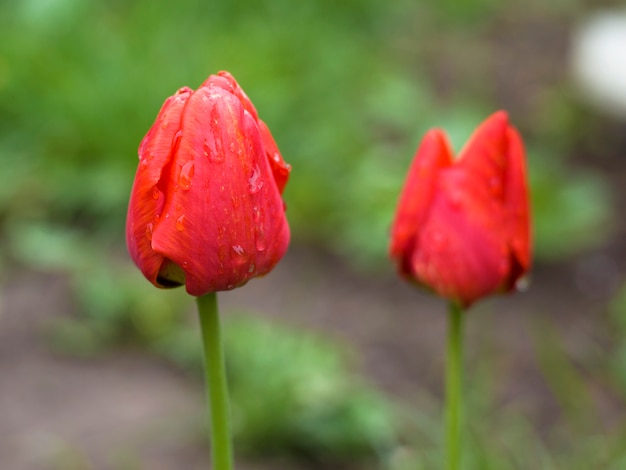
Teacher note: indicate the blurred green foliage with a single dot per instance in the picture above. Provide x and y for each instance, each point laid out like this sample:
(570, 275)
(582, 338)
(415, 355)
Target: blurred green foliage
(313, 406)
(617, 312)
(347, 89)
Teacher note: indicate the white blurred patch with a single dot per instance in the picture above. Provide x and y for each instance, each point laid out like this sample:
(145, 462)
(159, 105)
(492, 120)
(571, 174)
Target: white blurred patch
(599, 60)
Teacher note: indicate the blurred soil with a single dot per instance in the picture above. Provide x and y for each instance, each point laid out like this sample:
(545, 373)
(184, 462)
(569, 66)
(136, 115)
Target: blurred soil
(127, 407)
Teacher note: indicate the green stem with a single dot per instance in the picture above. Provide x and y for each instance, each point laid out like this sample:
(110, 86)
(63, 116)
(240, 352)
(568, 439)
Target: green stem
(454, 378)
(217, 390)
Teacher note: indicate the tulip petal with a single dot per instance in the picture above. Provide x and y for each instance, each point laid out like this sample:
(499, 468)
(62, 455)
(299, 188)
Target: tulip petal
(147, 199)
(456, 254)
(463, 230)
(224, 224)
(484, 157)
(432, 156)
(280, 169)
(517, 207)
(228, 83)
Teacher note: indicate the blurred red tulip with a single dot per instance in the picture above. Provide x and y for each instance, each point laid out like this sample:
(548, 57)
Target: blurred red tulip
(206, 208)
(462, 227)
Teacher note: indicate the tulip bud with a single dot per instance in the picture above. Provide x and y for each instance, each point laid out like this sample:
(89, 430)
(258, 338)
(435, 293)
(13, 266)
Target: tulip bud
(206, 208)
(462, 227)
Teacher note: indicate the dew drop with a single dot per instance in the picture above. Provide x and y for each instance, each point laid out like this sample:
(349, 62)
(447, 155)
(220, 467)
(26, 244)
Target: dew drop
(185, 264)
(251, 268)
(521, 285)
(232, 147)
(239, 250)
(156, 193)
(165, 124)
(215, 153)
(149, 229)
(255, 182)
(186, 174)
(260, 241)
(180, 223)
(176, 139)
(256, 214)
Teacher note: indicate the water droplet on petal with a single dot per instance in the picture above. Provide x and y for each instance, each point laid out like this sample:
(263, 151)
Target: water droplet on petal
(239, 250)
(521, 285)
(149, 229)
(251, 268)
(185, 264)
(176, 140)
(156, 193)
(256, 214)
(180, 223)
(255, 182)
(214, 152)
(260, 240)
(186, 174)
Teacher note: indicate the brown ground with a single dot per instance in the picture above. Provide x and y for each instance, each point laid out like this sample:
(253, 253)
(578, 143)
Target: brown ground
(127, 409)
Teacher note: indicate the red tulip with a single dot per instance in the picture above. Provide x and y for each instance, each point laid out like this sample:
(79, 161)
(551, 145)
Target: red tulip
(206, 208)
(462, 227)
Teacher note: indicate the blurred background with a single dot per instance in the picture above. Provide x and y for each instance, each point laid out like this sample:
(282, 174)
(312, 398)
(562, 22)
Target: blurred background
(334, 362)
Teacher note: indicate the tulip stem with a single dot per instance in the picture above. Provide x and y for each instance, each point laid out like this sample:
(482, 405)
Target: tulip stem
(454, 379)
(217, 390)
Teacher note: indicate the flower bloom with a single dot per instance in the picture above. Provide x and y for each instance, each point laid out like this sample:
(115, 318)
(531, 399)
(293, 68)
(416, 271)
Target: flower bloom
(462, 227)
(206, 208)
